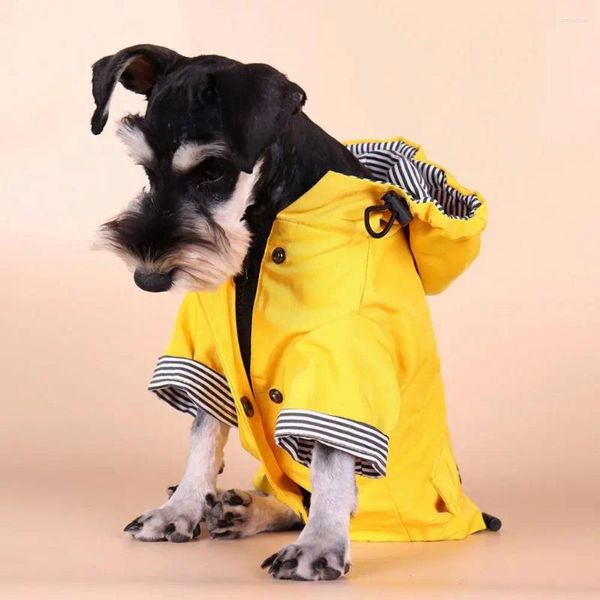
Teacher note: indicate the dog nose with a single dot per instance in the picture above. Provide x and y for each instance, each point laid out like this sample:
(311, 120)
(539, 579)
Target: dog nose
(153, 282)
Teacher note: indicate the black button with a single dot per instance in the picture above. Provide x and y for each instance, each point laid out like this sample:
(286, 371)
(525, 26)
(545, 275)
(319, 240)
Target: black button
(276, 396)
(247, 406)
(278, 255)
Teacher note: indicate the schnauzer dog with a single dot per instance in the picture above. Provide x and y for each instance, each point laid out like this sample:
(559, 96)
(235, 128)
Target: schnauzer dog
(225, 147)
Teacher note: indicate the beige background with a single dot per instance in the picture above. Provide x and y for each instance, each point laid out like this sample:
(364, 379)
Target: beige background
(504, 94)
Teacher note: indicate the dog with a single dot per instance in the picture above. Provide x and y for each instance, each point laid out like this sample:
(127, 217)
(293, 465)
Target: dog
(227, 148)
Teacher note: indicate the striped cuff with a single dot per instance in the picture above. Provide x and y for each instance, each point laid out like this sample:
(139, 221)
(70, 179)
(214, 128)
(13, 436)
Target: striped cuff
(188, 385)
(296, 431)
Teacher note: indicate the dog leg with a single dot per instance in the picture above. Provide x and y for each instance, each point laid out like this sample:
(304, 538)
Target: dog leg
(235, 514)
(178, 520)
(322, 550)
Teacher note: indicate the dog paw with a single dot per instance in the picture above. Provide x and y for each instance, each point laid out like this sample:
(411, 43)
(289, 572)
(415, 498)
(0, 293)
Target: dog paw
(165, 524)
(315, 561)
(228, 514)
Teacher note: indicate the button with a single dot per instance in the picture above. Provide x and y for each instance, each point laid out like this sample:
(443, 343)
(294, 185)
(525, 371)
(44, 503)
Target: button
(247, 406)
(276, 396)
(278, 255)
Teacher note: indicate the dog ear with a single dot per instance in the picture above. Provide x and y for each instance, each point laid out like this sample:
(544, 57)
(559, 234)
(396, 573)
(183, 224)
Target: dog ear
(136, 67)
(256, 102)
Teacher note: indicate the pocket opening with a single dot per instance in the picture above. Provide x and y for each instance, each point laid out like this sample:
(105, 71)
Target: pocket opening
(444, 478)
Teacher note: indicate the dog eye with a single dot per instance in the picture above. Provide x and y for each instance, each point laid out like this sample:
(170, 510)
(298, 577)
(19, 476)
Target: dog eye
(212, 169)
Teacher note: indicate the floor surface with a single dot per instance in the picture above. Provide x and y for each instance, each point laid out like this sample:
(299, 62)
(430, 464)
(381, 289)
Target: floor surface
(65, 541)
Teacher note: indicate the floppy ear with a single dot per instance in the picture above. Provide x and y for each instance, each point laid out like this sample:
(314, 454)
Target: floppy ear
(256, 103)
(136, 67)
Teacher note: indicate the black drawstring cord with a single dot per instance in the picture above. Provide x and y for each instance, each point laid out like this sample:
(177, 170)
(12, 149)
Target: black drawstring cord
(398, 209)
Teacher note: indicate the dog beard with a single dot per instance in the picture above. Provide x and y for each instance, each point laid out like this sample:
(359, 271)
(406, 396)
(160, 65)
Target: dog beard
(207, 267)
(205, 255)
(203, 251)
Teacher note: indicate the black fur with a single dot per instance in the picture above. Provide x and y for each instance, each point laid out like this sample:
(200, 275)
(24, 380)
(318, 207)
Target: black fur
(256, 111)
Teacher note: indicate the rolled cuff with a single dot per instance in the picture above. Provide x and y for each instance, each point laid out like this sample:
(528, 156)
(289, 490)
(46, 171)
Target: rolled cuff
(296, 432)
(188, 385)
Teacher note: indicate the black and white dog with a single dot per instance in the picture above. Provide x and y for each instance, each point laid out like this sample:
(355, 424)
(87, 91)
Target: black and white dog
(225, 146)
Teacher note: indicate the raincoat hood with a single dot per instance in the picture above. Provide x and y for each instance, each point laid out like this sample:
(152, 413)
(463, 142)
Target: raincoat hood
(447, 217)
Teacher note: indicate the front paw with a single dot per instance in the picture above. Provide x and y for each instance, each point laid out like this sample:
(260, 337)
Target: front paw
(170, 523)
(314, 561)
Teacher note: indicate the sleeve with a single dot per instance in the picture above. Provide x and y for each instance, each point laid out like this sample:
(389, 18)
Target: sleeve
(188, 376)
(341, 389)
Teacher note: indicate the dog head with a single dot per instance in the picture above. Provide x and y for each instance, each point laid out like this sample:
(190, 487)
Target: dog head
(209, 121)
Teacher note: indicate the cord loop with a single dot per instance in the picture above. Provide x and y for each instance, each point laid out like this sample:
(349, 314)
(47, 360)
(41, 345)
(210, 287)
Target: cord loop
(399, 211)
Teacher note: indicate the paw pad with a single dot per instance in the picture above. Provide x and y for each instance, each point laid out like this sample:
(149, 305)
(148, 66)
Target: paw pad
(227, 514)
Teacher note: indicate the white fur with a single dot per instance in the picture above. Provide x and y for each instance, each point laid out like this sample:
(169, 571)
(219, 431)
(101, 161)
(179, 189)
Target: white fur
(136, 143)
(189, 154)
(203, 268)
(333, 501)
(185, 507)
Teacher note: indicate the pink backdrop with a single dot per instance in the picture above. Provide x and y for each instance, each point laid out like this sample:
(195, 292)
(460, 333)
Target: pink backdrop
(506, 95)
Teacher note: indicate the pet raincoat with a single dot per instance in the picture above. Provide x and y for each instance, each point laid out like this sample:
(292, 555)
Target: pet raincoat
(343, 349)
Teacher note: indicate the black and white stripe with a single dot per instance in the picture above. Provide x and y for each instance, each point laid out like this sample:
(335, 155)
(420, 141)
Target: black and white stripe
(297, 430)
(394, 162)
(188, 385)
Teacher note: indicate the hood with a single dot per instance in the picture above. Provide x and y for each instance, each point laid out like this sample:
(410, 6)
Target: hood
(448, 218)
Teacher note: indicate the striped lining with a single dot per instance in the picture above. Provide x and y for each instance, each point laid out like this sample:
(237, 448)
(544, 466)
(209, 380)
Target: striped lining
(188, 385)
(394, 162)
(297, 430)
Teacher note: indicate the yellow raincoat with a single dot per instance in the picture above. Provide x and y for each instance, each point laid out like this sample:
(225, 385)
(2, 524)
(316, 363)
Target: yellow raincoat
(343, 349)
